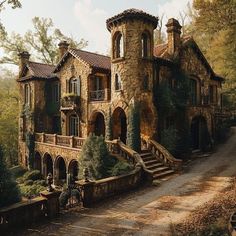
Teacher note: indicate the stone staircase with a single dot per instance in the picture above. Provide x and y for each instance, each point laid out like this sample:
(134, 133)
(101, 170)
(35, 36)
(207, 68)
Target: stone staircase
(159, 171)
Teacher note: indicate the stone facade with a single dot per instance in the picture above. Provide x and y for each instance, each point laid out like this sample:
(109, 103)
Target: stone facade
(85, 92)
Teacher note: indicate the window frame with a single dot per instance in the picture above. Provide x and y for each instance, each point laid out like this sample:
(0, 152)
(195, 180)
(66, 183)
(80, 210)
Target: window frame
(118, 84)
(118, 45)
(27, 94)
(73, 125)
(75, 85)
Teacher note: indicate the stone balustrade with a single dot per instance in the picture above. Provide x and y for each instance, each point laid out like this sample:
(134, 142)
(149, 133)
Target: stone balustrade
(60, 140)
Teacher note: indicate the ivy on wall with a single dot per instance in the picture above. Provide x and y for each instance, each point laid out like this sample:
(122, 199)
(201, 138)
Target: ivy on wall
(30, 145)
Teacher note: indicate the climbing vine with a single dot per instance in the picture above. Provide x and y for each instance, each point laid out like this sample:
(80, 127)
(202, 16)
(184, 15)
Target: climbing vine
(30, 145)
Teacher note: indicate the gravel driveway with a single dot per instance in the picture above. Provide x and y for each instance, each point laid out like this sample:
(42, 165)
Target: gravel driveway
(152, 210)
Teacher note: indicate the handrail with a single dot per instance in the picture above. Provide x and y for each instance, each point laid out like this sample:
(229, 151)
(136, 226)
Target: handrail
(164, 155)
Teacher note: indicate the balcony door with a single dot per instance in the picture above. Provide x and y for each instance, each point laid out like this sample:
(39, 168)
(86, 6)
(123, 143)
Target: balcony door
(73, 125)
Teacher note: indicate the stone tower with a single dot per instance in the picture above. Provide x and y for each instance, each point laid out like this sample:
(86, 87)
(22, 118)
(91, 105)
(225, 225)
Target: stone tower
(132, 40)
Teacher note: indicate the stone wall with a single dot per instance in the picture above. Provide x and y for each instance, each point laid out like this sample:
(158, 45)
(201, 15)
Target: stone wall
(94, 192)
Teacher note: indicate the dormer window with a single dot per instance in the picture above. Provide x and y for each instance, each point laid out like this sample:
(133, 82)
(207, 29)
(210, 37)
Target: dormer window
(117, 82)
(74, 86)
(118, 46)
(145, 45)
(27, 94)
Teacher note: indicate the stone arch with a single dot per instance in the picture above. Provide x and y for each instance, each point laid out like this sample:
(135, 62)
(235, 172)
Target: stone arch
(118, 45)
(200, 136)
(60, 168)
(47, 164)
(73, 169)
(38, 161)
(119, 124)
(120, 103)
(97, 123)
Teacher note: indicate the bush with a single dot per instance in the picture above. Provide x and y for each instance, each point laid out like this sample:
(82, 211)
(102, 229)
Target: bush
(29, 182)
(33, 175)
(17, 171)
(41, 182)
(121, 168)
(9, 191)
(63, 198)
(31, 190)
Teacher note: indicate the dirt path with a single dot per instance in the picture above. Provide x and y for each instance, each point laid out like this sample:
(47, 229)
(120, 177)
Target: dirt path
(152, 210)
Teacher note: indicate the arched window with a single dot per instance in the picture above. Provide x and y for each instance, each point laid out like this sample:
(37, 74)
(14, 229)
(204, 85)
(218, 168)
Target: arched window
(118, 46)
(27, 94)
(117, 82)
(74, 86)
(73, 125)
(145, 45)
(146, 82)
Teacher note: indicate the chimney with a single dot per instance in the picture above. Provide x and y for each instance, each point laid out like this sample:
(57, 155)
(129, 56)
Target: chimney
(173, 32)
(63, 48)
(23, 59)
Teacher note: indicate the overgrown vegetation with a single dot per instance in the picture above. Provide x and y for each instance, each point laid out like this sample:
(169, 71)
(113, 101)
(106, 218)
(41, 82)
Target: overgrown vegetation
(9, 191)
(96, 158)
(133, 137)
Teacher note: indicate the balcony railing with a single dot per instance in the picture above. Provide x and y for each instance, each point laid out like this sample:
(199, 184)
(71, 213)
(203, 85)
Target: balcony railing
(70, 102)
(60, 140)
(97, 95)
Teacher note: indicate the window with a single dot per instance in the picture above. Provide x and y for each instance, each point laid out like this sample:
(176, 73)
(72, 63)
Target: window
(119, 46)
(73, 125)
(74, 86)
(213, 93)
(145, 45)
(193, 92)
(146, 82)
(56, 92)
(27, 94)
(97, 85)
(117, 82)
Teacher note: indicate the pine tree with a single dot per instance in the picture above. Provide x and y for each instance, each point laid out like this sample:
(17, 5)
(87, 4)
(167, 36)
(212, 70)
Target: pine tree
(109, 126)
(96, 158)
(134, 139)
(9, 191)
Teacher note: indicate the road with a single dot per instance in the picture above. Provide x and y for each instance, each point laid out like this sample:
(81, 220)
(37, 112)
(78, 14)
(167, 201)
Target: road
(152, 210)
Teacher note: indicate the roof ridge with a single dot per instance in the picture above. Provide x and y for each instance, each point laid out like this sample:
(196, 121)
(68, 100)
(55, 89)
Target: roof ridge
(89, 52)
(40, 63)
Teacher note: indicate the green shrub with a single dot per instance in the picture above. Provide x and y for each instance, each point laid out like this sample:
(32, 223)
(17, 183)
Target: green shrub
(96, 158)
(41, 182)
(121, 168)
(33, 175)
(9, 191)
(63, 198)
(29, 182)
(20, 180)
(17, 171)
(31, 190)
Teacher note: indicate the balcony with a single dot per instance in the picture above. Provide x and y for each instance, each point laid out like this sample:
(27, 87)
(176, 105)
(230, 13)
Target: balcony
(99, 95)
(70, 102)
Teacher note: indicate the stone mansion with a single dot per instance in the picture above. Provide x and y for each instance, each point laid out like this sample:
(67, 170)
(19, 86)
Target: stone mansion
(61, 104)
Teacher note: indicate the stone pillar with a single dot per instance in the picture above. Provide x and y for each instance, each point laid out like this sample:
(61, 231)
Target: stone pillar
(87, 192)
(55, 175)
(53, 207)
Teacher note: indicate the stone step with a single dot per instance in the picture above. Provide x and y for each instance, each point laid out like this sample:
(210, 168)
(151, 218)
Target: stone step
(146, 154)
(151, 162)
(149, 158)
(163, 174)
(151, 167)
(160, 170)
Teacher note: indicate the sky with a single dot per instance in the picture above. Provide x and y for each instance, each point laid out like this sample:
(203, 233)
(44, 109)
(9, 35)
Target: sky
(85, 18)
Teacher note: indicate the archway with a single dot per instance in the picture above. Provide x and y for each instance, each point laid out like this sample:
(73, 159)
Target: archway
(200, 137)
(119, 124)
(98, 124)
(37, 162)
(61, 168)
(48, 165)
(73, 169)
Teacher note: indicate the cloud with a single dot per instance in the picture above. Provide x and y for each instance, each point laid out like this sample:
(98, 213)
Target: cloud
(92, 22)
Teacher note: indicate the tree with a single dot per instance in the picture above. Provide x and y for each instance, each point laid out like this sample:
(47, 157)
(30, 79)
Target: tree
(96, 158)
(42, 41)
(159, 35)
(216, 33)
(9, 191)
(134, 139)
(9, 117)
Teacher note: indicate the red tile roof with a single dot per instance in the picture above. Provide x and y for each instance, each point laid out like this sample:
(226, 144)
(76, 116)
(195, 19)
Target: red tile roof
(40, 70)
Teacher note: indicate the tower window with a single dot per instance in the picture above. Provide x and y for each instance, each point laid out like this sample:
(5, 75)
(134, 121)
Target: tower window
(118, 46)
(145, 45)
(74, 86)
(117, 82)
